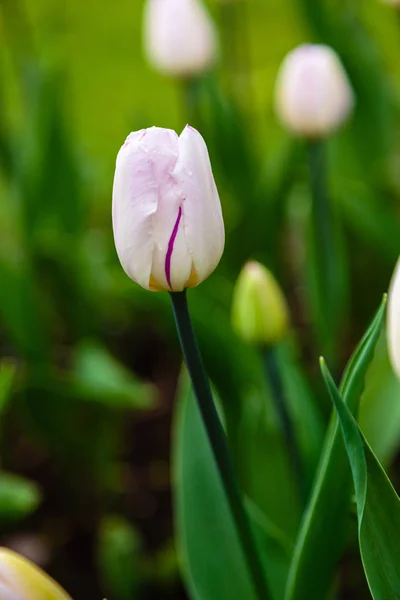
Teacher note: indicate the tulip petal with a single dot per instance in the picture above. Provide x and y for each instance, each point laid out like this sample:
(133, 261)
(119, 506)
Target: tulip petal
(22, 580)
(313, 95)
(7, 594)
(201, 209)
(167, 217)
(180, 38)
(143, 166)
(393, 320)
(171, 259)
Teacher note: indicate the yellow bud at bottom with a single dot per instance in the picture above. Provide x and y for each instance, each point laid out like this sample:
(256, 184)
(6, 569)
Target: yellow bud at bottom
(21, 577)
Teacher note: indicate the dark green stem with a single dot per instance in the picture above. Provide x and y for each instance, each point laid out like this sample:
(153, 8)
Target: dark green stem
(229, 33)
(321, 211)
(323, 247)
(248, 94)
(278, 397)
(218, 443)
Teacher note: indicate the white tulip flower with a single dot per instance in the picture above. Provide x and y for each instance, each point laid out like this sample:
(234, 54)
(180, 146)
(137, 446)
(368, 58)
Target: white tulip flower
(313, 95)
(179, 37)
(167, 218)
(393, 320)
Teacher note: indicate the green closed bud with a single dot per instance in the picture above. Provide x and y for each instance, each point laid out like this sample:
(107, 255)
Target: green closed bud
(259, 311)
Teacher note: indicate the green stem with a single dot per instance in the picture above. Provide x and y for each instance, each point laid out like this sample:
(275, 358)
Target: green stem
(248, 92)
(190, 99)
(218, 441)
(323, 245)
(285, 423)
(321, 211)
(229, 33)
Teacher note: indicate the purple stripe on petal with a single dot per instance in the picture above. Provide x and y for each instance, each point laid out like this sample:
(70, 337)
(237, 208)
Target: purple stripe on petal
(171, 247)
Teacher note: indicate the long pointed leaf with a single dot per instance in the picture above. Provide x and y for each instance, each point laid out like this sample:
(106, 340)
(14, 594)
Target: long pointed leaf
(212, 560)
(323, 530)
(378, 505)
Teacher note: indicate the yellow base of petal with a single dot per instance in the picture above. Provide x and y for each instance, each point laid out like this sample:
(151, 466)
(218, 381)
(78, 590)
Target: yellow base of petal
(26, 579)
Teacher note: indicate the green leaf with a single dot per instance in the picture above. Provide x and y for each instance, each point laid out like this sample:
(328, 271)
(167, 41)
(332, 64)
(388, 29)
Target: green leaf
(372, 220)
(68, 429)
(98, 376)
(48, 168)
(21, 311)
(18, 497)
(275, 490)
(95, 377)
(307, 420)
(262, 463)
(118, 551)
(327, 265)
(378, 506)
(212, 561)
(6, 158)
(322, 533)
(7, 376)
(379, 415)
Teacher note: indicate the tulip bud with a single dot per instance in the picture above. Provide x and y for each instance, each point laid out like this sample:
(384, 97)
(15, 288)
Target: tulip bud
(393, 320)
(313, 96)
(259, 311)
(22, 580)
(180, 38)
(167, 218)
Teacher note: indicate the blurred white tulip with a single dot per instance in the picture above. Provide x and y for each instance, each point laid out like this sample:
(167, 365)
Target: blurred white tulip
(179, 36)
(313, 96)
(393, 320)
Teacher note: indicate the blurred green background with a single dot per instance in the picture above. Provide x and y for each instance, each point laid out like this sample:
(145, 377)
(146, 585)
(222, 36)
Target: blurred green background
(90, 361)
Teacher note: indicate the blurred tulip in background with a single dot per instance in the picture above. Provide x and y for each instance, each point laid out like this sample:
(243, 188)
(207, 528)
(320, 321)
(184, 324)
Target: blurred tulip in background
(313, 94)
(393, 320)
(179, 36)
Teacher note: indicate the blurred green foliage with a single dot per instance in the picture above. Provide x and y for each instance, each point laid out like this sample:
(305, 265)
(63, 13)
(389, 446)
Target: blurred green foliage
(86, 406)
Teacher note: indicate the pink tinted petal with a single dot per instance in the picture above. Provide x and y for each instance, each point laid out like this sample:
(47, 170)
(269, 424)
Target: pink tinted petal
(135, 136)
(135, 198)
(393, 320)
(313, 95)
(141, 176)
(179, 36)
(180, 263)
(164, 222)
(202, 214)
(20, 579)
(7, 594)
